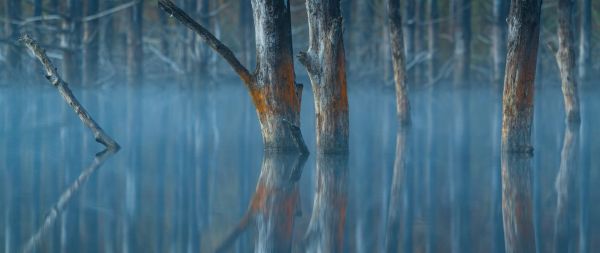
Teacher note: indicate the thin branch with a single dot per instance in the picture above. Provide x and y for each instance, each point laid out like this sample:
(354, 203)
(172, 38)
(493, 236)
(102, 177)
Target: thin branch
(55, 79)
(109, 11)
(65, 198)
(170, 8)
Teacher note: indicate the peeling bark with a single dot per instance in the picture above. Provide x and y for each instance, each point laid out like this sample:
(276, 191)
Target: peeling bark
(275, 94)
(566, 59)
(399, 60)
(325, 62)
(523, 39)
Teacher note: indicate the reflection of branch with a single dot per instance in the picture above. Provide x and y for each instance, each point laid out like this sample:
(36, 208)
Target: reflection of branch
(55, 79)
(65, 197)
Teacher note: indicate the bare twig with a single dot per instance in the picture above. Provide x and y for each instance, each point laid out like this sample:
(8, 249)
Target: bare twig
(109, 11)
(65, 198)
(55, 79)
(170, 8)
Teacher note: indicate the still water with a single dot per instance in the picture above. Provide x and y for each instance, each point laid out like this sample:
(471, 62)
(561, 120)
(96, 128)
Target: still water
(192, 177)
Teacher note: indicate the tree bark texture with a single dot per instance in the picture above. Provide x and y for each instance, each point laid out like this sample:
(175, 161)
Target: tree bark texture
(12, 11)
(135, 52)
(499, 31)
(517, 109)
(462, 40)
(585, 40)
(399, 61)
(432, 43)
(517, 208)
(272, 86)
(325, 231)
(91, 44)
(566, 59)
(325, 62)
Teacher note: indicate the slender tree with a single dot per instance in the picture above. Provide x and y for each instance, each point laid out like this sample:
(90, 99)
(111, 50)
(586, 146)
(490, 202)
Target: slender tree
(399, 61)
(135, 53)
(565, 56)
(523, 39)
(272, 86)
(325, 62)
(90, 44)
(585, 40)
(432, 40)
(500, 12)
(462, 40)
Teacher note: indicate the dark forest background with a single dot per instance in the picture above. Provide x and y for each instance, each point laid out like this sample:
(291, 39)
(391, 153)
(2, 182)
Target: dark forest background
(95, 42)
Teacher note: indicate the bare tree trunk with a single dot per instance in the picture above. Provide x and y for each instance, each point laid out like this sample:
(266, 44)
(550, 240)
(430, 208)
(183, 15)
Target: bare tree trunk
(462, 40)
(90, 44)
(399, 61)
(500, 12)
(275, 94)
(585, 40)
(524, 28)
(135, 53)
(432, 44)
(325, 231)
(566, 59)
(325, 62)
(517, 208)
(12, 12)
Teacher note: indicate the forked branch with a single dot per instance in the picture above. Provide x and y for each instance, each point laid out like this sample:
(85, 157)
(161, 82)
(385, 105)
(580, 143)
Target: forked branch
(170, 8)
(55, 79)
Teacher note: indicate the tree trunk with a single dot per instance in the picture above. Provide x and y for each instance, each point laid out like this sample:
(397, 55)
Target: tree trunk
(585, 40)
(90, 44)
(432, 44)
(272, 86)
(517, 208)
(12, 11)
(399, 61)
(462, 40)
(566, 59)
(500, 12)
(325, 231)
(135, 53)
(524, 28)
(325, 62)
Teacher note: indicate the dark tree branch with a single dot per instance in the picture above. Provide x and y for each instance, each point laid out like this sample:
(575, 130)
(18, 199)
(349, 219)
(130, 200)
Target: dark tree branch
(55, 79)
(170, 8)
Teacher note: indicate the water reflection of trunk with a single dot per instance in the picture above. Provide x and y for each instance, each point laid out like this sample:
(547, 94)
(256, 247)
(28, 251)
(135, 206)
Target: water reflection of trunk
(564, 221)
(274, 204)
(65, 198)
(584, 194)
(326, 229)
(400, 204)
(517, 202)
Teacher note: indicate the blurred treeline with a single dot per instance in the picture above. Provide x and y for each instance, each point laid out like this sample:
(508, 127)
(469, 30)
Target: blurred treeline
(95, 42)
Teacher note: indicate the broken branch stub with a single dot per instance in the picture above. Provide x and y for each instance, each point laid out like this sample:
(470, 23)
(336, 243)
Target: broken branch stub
(63, 88)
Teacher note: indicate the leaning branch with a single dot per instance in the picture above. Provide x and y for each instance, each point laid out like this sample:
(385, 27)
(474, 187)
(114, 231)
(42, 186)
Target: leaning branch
(55, 79)
(170, 8)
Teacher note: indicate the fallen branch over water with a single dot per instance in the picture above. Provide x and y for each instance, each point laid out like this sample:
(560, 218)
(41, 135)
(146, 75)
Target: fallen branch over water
(55, 79)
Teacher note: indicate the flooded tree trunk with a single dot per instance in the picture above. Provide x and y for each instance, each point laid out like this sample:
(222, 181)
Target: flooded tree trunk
(432, 37)
(462, 40)
(135, 53)
(517, 111)
(325, 62)
(517, 208)
(325, 231)
(12, 12)
(399, 61)
(500, 12)
(566, 59)
(585, 40)
(90, 44)
(272, 86)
